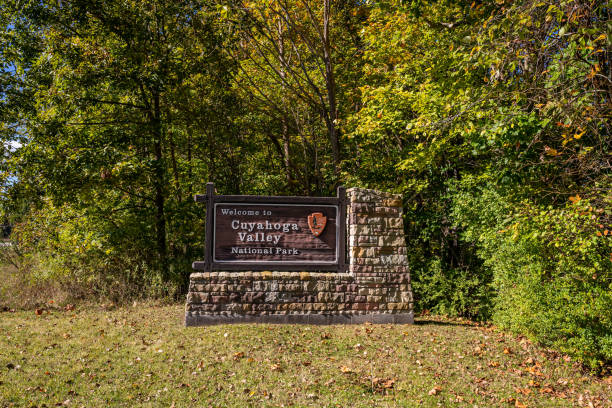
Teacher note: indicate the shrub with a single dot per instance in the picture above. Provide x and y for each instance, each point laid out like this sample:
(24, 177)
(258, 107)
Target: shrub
(62, 247)
(552, 270)
(453, 292)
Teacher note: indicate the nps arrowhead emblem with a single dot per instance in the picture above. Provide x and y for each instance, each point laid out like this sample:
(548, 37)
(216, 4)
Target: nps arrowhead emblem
(317, 222)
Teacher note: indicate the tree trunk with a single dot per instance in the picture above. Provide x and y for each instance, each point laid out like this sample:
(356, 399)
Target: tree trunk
(177, 184)
(284, 127)
(159, 183)
(330, 85)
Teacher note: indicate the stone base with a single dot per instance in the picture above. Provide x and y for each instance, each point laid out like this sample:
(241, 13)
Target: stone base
(195, 319)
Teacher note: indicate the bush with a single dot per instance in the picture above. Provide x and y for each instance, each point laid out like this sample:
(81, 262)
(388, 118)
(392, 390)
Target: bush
(453, 292)
(552, 270)
(74, 253)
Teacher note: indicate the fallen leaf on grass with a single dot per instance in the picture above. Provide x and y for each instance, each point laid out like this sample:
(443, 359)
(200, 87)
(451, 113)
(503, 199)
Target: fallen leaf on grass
(346, 369)
(493, 364)
(238, 355)
(38, 312)
(533, 383)
(434, 391)
(325, 336)
(534, 371)
(379, 385)
(275, 367)
(386, 383)
(519, 404)
(507, 351)
(524, 391)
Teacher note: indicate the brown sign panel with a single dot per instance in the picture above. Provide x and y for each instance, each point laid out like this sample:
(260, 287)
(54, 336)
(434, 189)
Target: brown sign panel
(275, 233)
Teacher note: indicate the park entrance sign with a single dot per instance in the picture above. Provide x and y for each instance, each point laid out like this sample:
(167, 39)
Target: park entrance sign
(280, 233)
(314, 260)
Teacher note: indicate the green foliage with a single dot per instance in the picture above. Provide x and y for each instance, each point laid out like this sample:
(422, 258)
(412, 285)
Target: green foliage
(455, 292)
(485, 115)
(128, 99)
(78, 250)
(412, 94)
(480, 109)
(552, 269)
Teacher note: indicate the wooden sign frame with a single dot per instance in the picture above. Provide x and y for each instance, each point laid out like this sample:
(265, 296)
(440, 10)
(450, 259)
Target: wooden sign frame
(209, 263)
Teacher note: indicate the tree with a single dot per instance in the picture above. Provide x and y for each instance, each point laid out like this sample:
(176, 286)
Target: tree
(495, 120)
(109, 135)
(287, 62)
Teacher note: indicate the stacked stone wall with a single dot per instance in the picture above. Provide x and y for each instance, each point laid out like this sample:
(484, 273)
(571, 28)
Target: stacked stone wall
(375, 288)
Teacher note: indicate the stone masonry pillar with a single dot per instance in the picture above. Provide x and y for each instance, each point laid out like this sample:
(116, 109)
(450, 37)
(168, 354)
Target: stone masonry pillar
(377, 256)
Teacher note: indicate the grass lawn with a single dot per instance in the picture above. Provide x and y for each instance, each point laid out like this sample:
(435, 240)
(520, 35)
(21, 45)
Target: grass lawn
(144, 356)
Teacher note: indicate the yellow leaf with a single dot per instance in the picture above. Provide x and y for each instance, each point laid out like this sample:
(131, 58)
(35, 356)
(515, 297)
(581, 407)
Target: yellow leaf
(550, 151)
(601, 37)
(346, 369)
(579, 135)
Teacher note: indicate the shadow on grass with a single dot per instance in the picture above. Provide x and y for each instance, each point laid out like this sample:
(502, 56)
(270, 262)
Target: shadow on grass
(427, 322)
